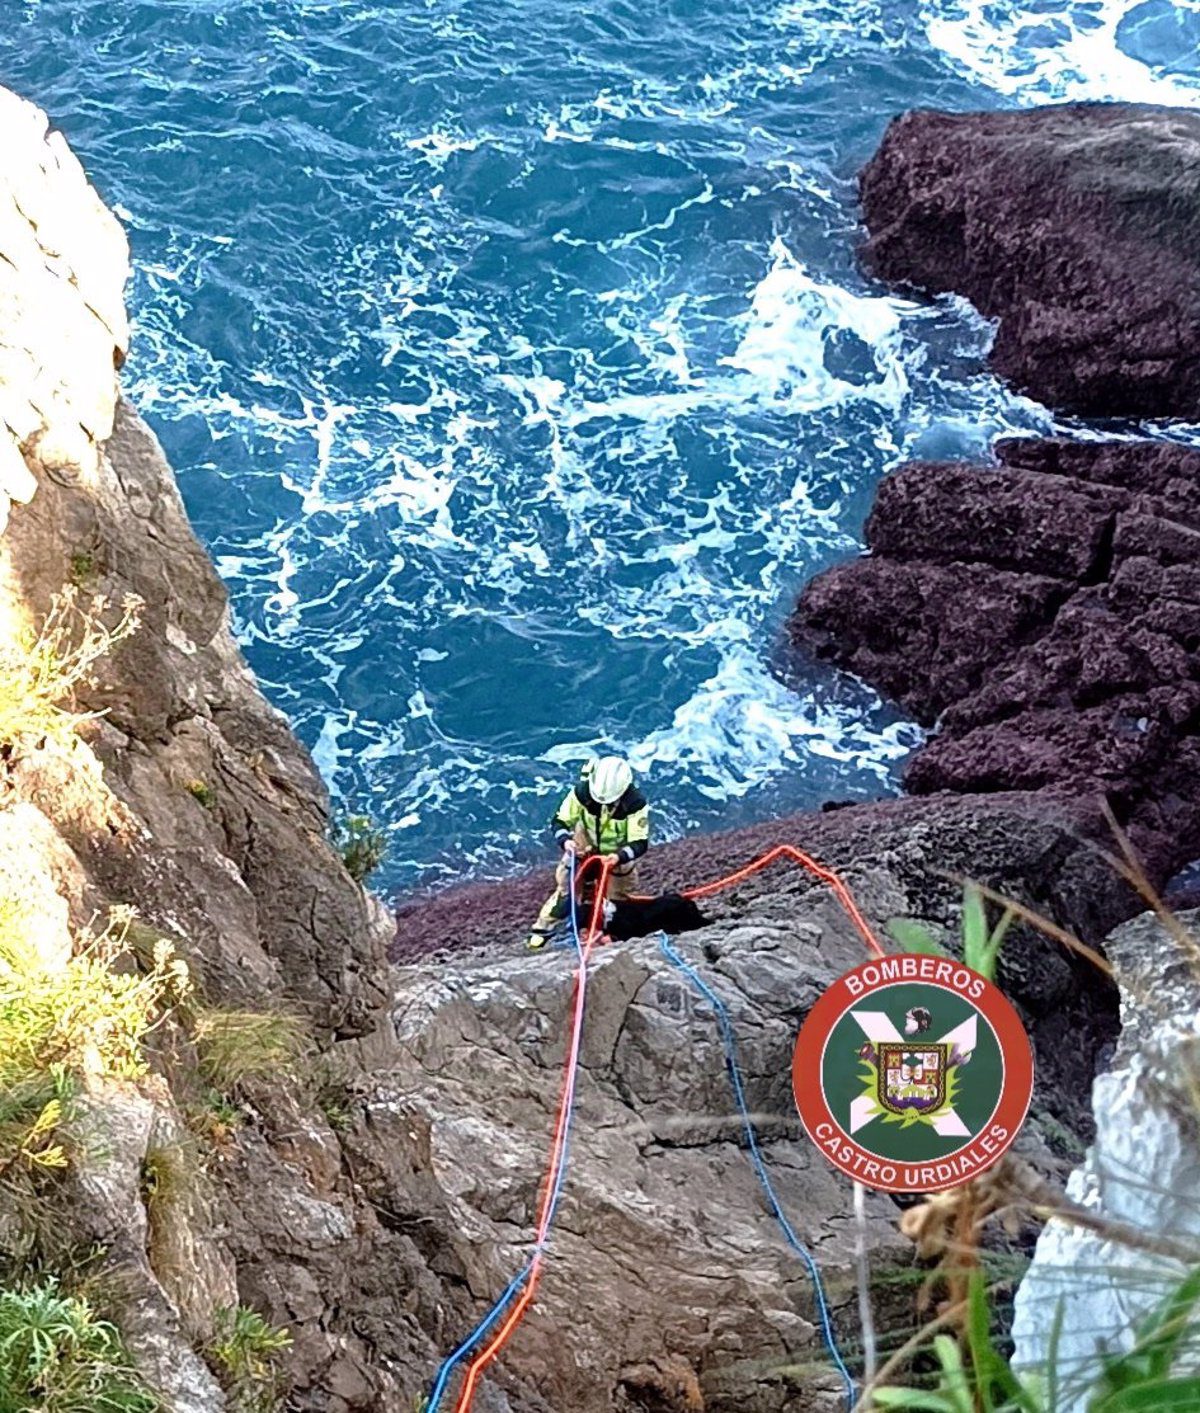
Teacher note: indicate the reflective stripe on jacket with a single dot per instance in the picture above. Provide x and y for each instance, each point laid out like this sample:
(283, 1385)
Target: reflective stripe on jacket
(608, 828)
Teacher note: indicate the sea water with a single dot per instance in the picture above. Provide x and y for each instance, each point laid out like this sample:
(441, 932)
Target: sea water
(517, 369)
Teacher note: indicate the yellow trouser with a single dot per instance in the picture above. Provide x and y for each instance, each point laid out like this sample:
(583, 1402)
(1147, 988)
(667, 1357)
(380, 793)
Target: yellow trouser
(622, 881)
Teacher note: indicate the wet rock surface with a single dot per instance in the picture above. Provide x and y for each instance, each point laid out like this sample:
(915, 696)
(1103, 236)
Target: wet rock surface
(1076, 226)
(1045, 613)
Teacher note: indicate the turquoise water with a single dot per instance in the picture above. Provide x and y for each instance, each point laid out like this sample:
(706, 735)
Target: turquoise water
(516, 367)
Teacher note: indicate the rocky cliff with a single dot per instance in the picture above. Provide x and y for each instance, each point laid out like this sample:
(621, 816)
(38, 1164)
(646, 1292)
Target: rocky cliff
(374, 1192)
(1043, 611)
(1138, 1185)
(189, 800)
(1076, 226)
(1040, 612)
(1044, 614)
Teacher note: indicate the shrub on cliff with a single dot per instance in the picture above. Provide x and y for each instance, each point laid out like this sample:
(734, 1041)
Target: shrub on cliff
(41, 671)
(246, 1350)
(56, 1356)
(59, 1023)
(361, 844)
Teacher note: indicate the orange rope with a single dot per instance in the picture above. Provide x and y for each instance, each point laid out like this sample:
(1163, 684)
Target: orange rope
(605, 863)
(827, 875)
(517, 1314)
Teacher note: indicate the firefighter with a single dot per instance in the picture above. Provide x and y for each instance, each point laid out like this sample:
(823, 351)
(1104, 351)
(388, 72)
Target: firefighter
(605, 813)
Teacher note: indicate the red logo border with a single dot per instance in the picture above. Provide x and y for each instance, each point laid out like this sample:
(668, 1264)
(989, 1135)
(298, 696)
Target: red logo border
(1011, 1108)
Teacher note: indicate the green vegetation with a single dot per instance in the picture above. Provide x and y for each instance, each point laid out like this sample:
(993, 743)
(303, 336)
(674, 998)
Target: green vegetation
(361, 844)
(202, 792)
(58, 1023)
(40, 672)
(216, 1117)
(56, 1356)
(333, 1093)
(1143, 1378)
(83, 567)
(246, 1350)
(168, 1176)
(981, 942)
(235, 1046)
(974, 1376)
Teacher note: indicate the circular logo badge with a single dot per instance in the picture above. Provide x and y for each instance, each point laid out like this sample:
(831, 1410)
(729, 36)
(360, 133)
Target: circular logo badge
(912, 1073)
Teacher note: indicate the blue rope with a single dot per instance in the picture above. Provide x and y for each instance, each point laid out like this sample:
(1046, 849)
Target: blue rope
(451, 1362)
(756, 1157)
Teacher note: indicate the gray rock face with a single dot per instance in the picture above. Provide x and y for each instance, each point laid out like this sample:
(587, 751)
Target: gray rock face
(1142, 1173)
(62, 277)
(665, 1250)
(250, 869)
(665, 1256)
(190, 801)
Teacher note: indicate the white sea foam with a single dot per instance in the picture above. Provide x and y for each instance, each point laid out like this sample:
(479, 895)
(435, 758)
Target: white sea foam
(1069, 53)
(596, 404)
(788, 329)
(741, 727)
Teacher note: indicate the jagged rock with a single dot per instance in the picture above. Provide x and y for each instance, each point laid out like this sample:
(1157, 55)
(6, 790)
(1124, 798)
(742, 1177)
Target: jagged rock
(666, 1261)
(116, 1127)
(665, 1256)
(1077, 226)
(191, 801)
(1046, 614)
(1139, 1178)
(250, 871)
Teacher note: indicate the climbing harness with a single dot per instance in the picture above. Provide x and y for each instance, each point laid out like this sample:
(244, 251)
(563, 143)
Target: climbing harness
(521, 1290)
(760, 1168)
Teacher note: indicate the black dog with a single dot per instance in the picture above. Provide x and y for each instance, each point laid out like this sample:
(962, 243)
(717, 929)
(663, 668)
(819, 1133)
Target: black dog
(669, 912)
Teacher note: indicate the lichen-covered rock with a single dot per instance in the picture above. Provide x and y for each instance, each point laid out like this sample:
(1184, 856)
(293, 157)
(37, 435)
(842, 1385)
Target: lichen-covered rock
(1077, 226)
(1046, 614)
(1140, 1176)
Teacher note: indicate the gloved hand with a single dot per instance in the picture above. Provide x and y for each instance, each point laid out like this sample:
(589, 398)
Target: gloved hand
(567, 844)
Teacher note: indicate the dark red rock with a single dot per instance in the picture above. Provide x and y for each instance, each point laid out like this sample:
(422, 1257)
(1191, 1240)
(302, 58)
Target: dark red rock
(1033, 846)
(924, 634)
(1077, 226)
(1047, 616)
(943, 514)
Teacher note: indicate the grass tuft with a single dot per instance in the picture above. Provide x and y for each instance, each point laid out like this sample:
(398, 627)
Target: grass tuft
(202, 792)
(56, 1356)
(235, 1046)
(41, 672)
(246, 1350)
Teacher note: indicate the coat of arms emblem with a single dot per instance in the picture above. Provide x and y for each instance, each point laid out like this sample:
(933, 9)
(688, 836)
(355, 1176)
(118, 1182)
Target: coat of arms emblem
(912, 1078)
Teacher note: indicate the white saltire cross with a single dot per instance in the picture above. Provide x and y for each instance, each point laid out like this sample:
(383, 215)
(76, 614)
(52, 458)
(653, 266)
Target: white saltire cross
(876, 1027)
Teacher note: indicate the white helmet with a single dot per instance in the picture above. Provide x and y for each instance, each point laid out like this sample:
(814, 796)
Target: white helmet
(608, 779)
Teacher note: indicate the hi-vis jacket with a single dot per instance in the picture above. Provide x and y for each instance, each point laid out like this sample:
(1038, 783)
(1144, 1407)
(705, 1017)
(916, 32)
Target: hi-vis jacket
(622, 829)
